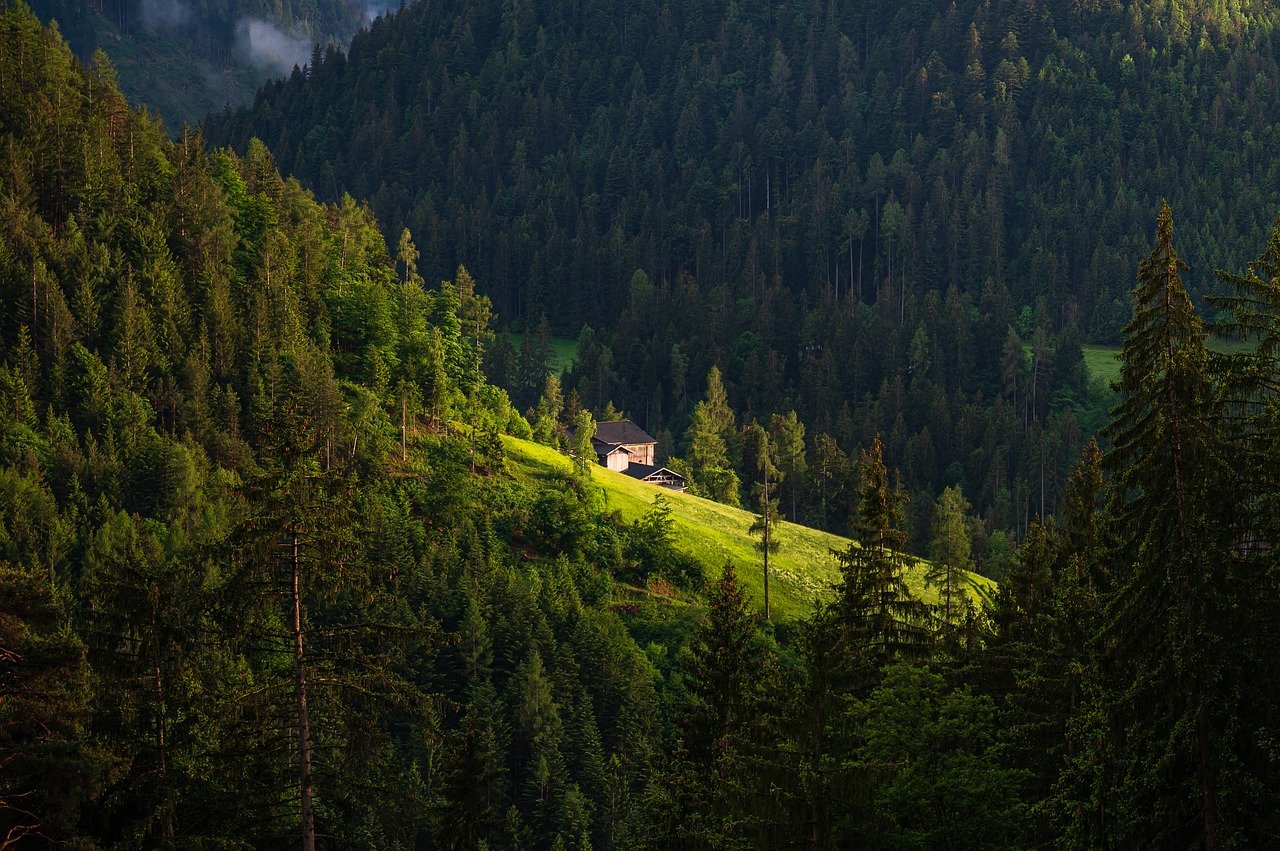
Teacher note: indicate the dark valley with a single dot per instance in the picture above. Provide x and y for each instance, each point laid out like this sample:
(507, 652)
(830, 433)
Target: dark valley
(694, 425)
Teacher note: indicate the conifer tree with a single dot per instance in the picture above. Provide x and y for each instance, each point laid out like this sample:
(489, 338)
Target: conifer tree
(140, 607)
(583, 452)
(48, 766)
(786, 434)
(407, 255)
(713, 477)
(1082, 514)
(467, 815)
(1169, 620)
(717, 399)
(1251, 313)
(950, 551)
(546, 423)
(293, 546)
(876, 611)
(724, 662)
(766, 520)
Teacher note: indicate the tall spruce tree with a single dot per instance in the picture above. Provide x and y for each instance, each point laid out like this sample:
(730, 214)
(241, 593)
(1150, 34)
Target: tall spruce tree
(727, 722)
(786, 437)
(293, 548)
(879, 616)
(1250, 312)
(766, 520)
(1171, 622)
(950, 551)
(713, 475)
(712, 443)
(48, 764)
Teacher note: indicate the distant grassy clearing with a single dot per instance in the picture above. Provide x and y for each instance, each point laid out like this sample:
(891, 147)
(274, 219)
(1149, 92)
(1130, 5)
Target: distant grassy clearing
(1103, 362)
(564, 352)
(802, 570)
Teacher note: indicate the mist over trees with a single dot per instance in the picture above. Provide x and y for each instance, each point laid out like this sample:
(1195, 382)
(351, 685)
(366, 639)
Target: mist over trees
(890, 219)
(272, 572)
(186, 58)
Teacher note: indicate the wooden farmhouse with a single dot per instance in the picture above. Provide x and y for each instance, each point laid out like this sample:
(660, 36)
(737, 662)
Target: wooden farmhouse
(626, 448)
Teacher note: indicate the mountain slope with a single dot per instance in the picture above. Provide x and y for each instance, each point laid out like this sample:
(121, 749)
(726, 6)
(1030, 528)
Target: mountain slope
(216, 560)
(554, 149)
(185, 59)
(801, 571)
(848, 207)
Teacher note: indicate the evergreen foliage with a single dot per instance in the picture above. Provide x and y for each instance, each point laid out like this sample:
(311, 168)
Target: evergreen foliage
(265, 577)
(766, 520)
(882, 621)
(862, 213)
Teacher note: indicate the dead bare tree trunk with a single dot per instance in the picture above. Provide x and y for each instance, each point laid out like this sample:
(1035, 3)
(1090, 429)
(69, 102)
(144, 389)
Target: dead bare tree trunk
(300, 691)
(767, 541)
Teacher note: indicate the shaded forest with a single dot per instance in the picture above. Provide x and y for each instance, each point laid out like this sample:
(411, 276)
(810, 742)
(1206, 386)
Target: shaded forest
(266, 578)
(186, 58)
(889, 219)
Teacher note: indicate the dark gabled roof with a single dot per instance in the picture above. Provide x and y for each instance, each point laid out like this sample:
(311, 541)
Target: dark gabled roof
(622, 431)
(603, 448)
(644, 471)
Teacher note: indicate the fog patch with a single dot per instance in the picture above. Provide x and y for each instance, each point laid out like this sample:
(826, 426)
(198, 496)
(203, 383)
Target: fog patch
(165, 14)
(263, 43)
(371, 9)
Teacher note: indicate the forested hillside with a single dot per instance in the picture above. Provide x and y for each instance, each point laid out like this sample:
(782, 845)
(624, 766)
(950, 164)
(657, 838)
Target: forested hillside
(557, 148)
(267, 577)
(864, 212)
(238, 604)
(185, 59)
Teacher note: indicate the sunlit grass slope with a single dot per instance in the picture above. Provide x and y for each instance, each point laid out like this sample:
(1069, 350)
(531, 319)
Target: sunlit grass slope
(801, 570)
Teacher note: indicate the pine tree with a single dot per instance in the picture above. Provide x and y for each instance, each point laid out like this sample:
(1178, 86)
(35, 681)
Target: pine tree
(467, 816)
(717, 399)
(140, 607)
(48, 765)
(821, 733)
(729, 722)
(713, 477)
(950, 551)
(1251, 313)
(881, 619)
(766, 520)
(724, 663)
(831, 472)
(293, 546)
(583, 452)
(407, 255)
(786, 433)
(546, 423)
(537, 746)
(1170, 620)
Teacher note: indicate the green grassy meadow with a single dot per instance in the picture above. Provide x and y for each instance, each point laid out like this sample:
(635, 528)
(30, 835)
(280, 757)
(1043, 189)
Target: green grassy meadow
(563, 351)
(1103, 362)
(802, 570)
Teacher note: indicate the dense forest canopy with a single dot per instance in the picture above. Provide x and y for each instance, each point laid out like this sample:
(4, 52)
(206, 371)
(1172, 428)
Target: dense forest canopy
(887, 218)
(270, 575)
(186, 58)
(833, 148)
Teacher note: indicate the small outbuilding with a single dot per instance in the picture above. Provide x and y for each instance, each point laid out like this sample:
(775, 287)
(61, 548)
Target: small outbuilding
(624, 447)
